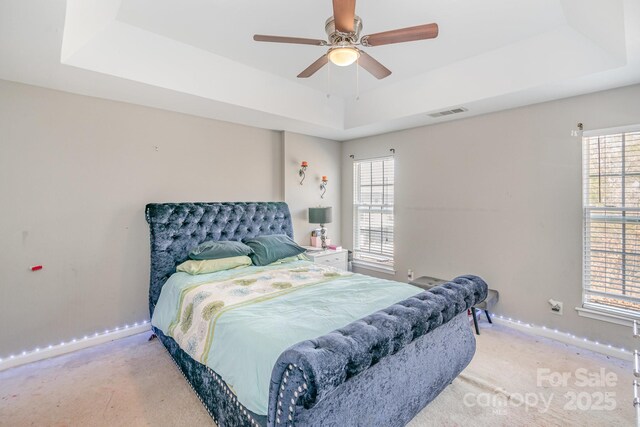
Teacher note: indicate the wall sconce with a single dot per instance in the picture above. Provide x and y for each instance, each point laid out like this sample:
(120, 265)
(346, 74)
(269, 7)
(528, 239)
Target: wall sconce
(578, 130)
(303, 169)
(323, 186)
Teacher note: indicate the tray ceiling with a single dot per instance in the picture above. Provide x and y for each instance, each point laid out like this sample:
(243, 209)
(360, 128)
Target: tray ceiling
(198, 57)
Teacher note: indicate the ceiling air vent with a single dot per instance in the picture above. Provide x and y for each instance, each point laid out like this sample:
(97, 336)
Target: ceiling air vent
(448, 112)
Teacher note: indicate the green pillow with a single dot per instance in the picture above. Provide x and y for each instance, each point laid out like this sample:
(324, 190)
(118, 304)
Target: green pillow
(213, 265)
(215, 249)
(291, 259)
(268, 249)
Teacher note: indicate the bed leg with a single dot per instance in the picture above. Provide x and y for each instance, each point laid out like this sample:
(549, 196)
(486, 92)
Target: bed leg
(152, 337)
(475, 320)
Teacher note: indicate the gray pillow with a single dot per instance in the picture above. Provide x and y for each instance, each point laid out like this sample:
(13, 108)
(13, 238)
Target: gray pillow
(215, 249)
(268, 249)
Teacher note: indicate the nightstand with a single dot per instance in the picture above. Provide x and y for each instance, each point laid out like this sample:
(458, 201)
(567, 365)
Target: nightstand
(337, 259)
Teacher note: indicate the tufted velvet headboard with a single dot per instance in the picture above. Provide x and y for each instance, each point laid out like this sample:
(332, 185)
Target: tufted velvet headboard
(178, 227)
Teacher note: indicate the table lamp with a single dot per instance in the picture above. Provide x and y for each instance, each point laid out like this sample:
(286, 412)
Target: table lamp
(321, 216)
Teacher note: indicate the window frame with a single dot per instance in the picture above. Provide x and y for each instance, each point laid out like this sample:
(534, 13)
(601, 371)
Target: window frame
(370, 261)
(588, 308)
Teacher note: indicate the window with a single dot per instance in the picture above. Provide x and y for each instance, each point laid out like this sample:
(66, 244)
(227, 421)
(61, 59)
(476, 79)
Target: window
(611, 201)
(373, 211)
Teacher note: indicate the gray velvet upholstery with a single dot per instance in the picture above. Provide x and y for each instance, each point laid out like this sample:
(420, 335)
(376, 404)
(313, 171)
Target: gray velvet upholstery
(313, 371)
(391, 392)
(380, 370)
(176, 228)
(212, 391)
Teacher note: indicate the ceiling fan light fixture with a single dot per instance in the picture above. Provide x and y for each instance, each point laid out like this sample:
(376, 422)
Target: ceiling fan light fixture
(343, 35)
(344, 56)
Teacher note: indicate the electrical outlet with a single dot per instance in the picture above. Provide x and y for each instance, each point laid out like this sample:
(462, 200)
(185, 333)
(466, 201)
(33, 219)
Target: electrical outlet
(556, 307)
(410, 274)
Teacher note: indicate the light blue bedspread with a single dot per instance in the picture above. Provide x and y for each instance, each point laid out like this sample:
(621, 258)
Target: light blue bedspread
(239, 321)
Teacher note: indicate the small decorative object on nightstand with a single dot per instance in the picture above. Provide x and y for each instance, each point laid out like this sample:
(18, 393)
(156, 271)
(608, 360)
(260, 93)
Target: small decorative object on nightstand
(321, 216)
(337, 259)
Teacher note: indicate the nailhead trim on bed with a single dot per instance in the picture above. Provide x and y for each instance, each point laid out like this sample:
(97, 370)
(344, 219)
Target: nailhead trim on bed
(308, 371)
(175, 229)
(298, 393)
(236, 409)
(333, 358)
(230, 393)
(190, 385)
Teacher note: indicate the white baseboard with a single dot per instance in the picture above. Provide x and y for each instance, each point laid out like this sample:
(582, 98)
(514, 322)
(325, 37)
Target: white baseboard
(128, 330)
(73, 345)
(566, 338)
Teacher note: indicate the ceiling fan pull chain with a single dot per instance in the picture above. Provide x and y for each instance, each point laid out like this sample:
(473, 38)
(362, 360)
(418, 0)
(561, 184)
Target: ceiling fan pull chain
(358, 79)
(329, 79)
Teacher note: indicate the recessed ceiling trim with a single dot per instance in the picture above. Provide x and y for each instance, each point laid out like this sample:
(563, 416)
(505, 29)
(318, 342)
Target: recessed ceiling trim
(535, 51)
(125, 51)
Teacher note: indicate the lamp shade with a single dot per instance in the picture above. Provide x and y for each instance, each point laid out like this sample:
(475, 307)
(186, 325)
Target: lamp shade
(320, 215)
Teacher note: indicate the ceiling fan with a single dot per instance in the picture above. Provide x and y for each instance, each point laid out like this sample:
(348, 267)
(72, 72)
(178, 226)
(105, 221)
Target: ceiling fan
(343, 31)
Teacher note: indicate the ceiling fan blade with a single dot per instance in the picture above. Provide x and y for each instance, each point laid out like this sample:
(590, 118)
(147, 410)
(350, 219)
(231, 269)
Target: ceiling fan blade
(294, 40)
(378, 70)
(344, 12)
(311, 69)
(420, 32)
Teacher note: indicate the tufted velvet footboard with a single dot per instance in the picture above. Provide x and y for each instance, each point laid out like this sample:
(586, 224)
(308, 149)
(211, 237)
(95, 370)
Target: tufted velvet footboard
(378, 371)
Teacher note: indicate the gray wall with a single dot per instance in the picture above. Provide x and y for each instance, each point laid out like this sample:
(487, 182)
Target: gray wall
(496, 195)
(500, 196)
(75, 174)
(323, 156)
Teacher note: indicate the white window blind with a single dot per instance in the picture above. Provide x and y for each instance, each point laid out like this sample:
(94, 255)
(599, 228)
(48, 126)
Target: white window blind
(373, 210)
(612, 222)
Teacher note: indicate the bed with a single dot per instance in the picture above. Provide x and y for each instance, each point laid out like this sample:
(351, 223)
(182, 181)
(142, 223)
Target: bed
(380, 369)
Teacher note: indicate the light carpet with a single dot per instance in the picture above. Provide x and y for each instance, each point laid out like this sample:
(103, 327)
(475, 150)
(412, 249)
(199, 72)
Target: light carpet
(514, 380)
